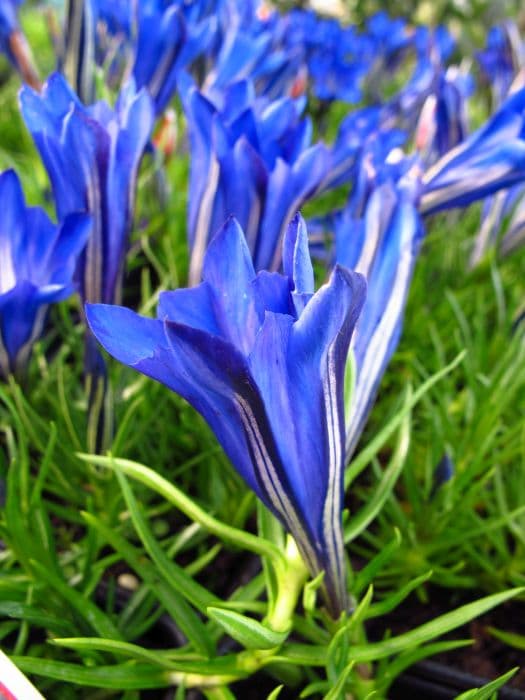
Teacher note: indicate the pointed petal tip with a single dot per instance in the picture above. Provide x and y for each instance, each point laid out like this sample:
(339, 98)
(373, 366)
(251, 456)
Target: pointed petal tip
(355, 280)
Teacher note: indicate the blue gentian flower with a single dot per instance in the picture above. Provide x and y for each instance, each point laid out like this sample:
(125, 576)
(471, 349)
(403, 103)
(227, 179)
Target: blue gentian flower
(389, 34)
(37, 262)
(333, 54)
(253, 159)
(254, 51)
(382, 245)
(492, 158)
(364, 129)
(502, 58)
(442, 123)
(152, 39)
(92, 155)
(262, 358)
(116, 16)
(159, 56)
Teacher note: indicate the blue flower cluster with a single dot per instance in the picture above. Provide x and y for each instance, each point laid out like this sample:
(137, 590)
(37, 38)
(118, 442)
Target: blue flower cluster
(251, 344)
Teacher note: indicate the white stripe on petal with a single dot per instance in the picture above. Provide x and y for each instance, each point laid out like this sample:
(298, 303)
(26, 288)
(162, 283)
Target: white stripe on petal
(202, 229)
(271, 482)
(332, 528)
(374, 358)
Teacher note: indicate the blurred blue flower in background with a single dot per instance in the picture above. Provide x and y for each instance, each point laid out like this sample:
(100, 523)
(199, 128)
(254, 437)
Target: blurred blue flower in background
(501, 59)
(37, 263)
(253, 159)
(383, 246)
(490, 159)
(92, 155)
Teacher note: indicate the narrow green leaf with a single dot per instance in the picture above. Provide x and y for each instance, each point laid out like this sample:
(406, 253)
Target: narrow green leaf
(43, 468)
(487, 692)
(275, 693)
(127, 676)
(430, 630)
(174, 576)
(368, 573)
(142, 567)
(186, 505)
(206, 672)
(368, 453)
(98, 621)
(361, 612)
(310, 592)
(336, 692)
(387, 675)
(302, 655)
(511, 638)
(130, 651)
(34, 616)
(392, 601)
(316, 688)
(247, 631)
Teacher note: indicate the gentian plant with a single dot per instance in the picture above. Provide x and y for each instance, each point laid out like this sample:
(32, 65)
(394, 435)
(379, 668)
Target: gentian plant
(263, 359)
(260, 522)
(92, 155)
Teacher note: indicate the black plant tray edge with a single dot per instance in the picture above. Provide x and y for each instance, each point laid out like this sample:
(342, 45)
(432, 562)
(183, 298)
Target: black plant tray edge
(430, 680)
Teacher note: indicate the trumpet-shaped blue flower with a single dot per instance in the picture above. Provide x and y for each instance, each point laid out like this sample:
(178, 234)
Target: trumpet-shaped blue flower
(92, 156)
(491, 159)
(262, 358)
(382, 245)
(37, 262)
(252, 159)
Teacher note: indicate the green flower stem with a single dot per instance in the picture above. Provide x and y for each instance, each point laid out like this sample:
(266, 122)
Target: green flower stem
(290, 579)
(186, 505)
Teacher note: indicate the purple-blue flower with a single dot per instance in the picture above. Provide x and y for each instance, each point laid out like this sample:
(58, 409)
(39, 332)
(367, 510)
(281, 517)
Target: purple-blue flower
(492, 158)
(253, 159)
(37, 262)
(383, 246)
(502, 58)
(92, 155)
(163, 46)
(442, 123)
(262, 358)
